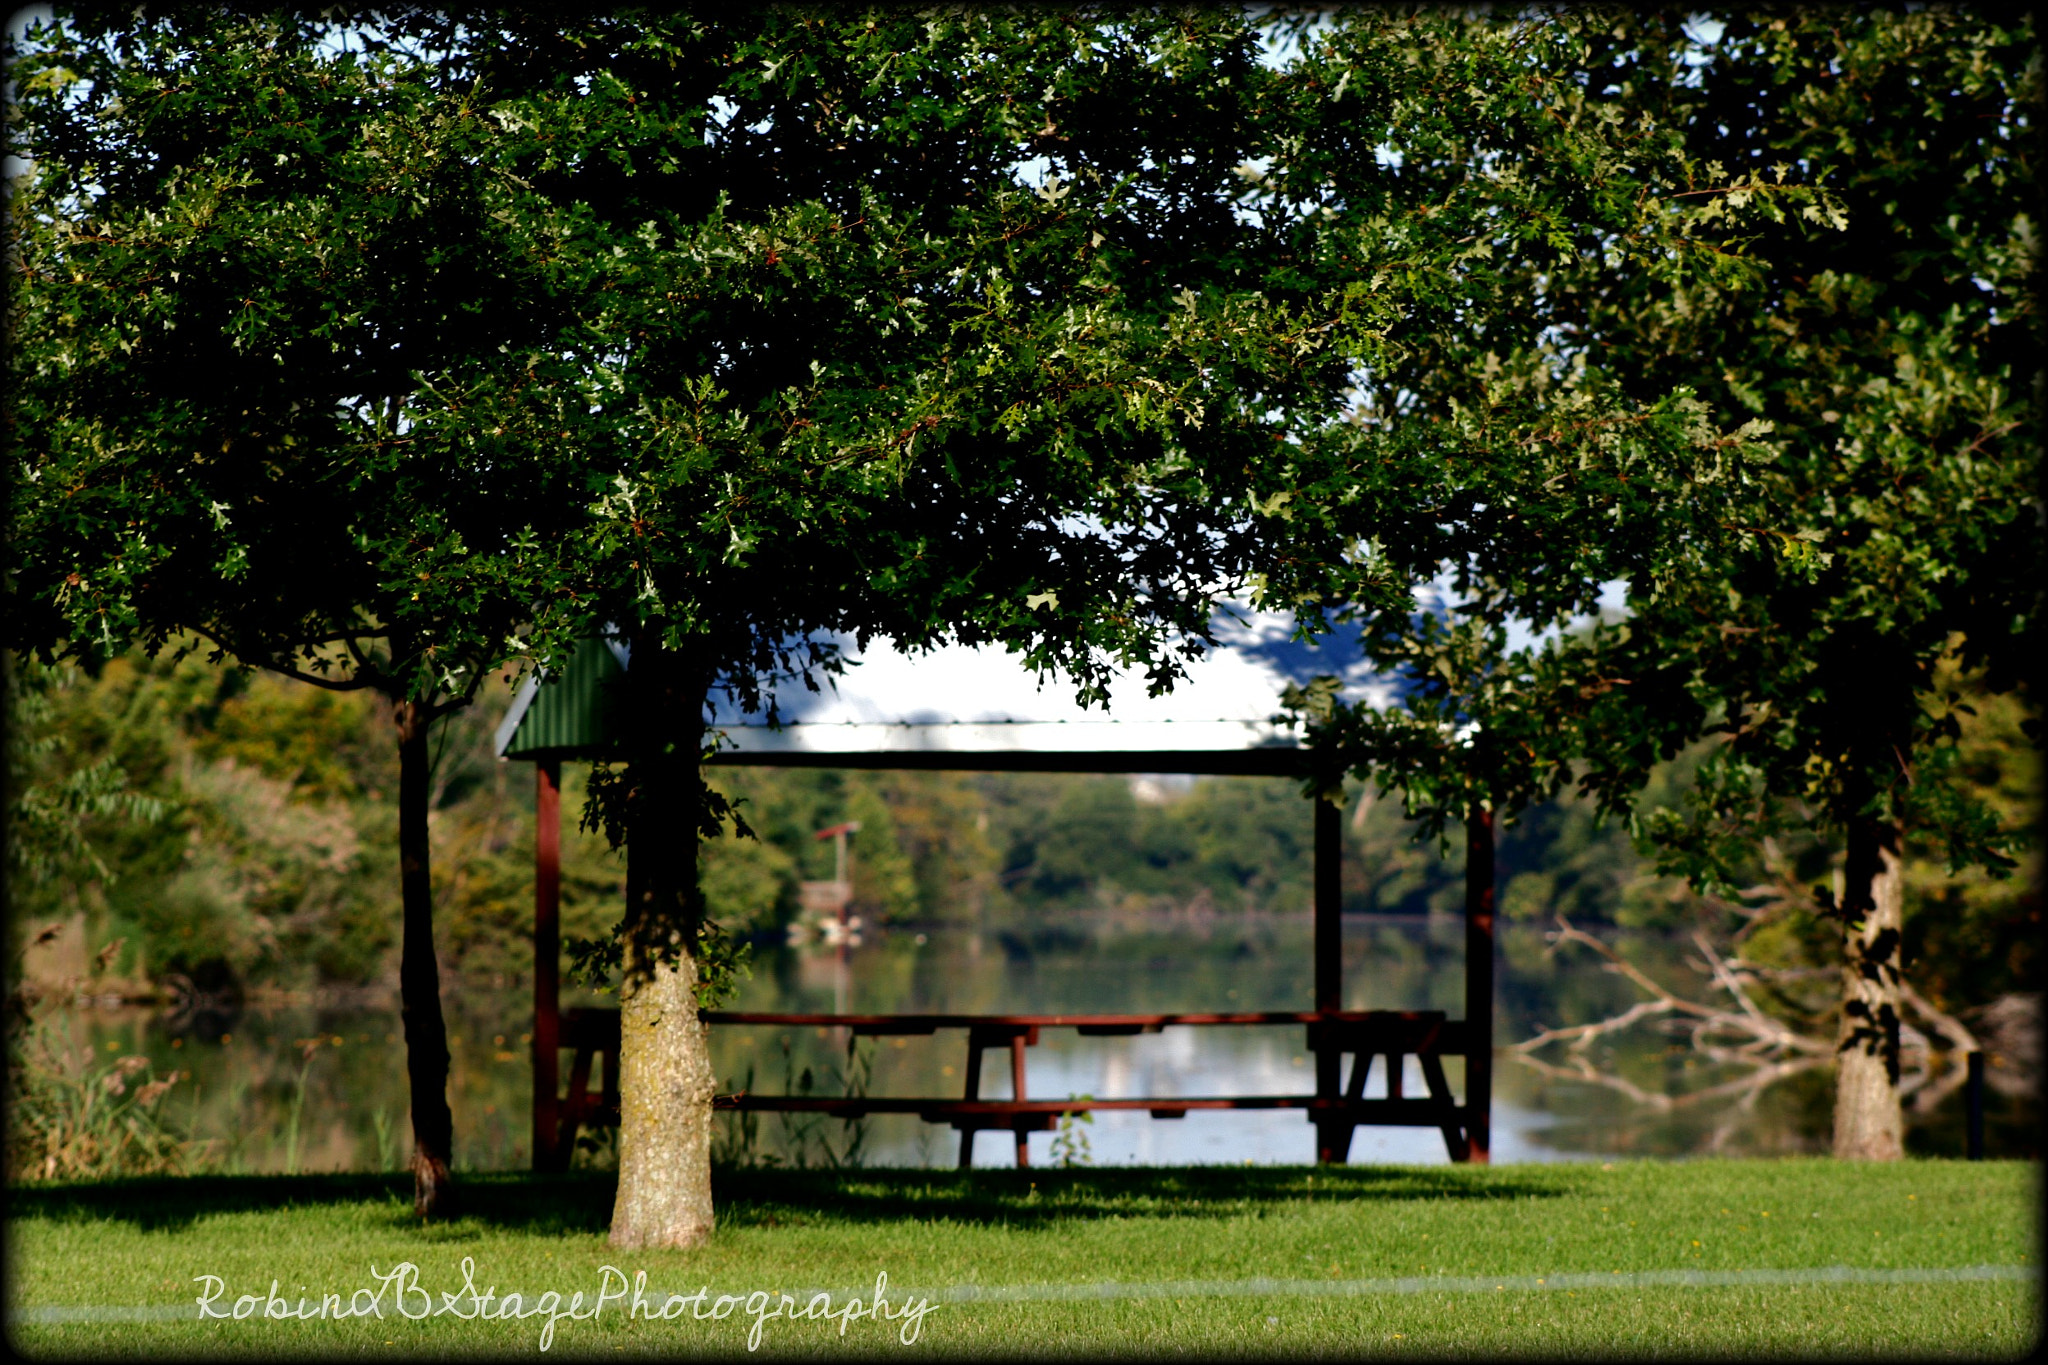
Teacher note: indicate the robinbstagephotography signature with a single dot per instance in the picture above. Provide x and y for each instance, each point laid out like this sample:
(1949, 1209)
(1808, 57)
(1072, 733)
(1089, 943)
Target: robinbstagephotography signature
(400, 1292)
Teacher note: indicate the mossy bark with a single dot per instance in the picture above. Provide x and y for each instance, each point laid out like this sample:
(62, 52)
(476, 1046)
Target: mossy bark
(665, 1078)
(1869, 1120)
(665, 1090)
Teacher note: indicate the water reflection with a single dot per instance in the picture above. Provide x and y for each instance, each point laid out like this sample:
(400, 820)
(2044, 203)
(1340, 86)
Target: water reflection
(251, 1070)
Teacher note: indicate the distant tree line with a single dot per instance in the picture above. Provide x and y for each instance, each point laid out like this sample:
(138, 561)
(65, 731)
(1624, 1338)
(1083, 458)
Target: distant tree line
(250, 842)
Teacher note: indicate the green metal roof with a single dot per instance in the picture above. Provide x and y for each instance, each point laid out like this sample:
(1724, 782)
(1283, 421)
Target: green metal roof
(573, 714)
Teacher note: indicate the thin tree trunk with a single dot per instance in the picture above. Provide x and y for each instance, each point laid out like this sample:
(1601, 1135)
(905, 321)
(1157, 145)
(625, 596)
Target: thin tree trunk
(1869, 1120)
(1479, 955)
(419, 975)
(665, 1078)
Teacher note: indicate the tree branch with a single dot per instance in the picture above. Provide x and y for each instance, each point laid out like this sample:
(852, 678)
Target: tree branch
(1946, 1026)
(357, 683)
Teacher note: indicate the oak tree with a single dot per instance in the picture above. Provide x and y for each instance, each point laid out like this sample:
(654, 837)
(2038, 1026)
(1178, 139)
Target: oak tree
(1897, 524)
(1885, 522)
(280, 319)
(1042, 331)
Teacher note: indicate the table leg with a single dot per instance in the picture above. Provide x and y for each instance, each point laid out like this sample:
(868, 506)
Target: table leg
(1361, 1064)
(573, 1106)
(972, 1092)
(1440, 1091)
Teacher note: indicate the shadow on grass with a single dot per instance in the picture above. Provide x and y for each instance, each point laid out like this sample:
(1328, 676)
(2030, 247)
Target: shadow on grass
(544, 1204)
(1039, 1198)
(581, 1203)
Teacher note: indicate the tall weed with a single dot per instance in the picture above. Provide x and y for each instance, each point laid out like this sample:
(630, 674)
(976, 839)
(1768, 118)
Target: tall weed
(70, 1117)
(806, 1141)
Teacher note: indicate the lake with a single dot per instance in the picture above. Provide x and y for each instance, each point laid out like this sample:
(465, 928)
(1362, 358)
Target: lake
(311, 1087)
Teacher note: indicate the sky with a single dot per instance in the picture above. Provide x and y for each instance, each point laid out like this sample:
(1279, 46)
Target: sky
(1241, 680)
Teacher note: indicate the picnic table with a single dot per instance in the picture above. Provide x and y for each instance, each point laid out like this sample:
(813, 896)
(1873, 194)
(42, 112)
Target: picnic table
(1427, 1035)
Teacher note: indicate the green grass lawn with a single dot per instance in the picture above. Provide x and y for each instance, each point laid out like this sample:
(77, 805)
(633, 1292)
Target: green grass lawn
(1545, 1260)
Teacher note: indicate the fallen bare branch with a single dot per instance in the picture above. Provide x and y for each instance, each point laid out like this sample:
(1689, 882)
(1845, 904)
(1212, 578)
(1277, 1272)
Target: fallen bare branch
(1743, 1087)
(1947, 1026)
(1766, 1035)
(1583, 1034)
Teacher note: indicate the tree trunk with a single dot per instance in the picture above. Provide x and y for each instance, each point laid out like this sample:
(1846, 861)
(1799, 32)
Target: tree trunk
(1869, 1121)
(419, 975)
(665, 1078)
(1479, 954)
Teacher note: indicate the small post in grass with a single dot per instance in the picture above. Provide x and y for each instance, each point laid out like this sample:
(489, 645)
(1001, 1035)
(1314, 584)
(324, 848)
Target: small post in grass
(1973, 1091)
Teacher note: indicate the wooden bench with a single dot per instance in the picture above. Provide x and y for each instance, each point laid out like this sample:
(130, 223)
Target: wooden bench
(1427, 1035)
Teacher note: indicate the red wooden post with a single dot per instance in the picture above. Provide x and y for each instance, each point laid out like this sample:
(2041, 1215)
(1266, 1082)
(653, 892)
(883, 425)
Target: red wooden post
(547, 964)
(1017, 1092)
(1479, 948)
(1333, 1138)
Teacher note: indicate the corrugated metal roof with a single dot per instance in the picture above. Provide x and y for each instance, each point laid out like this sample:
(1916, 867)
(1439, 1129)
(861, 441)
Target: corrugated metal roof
(572, 714)
(978, 708)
